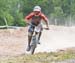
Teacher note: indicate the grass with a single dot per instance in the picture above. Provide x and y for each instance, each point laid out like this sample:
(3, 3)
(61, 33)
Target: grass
(39, 57)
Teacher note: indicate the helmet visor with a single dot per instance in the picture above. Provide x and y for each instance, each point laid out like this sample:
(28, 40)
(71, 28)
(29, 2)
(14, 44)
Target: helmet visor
(37, 10)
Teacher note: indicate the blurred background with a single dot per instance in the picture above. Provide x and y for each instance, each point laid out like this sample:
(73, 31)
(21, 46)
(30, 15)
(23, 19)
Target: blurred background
(59, 12)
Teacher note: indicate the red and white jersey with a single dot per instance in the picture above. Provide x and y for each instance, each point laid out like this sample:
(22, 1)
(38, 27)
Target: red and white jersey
(36, 18)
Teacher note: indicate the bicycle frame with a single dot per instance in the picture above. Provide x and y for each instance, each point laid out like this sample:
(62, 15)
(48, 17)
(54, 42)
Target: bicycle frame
(34, 42)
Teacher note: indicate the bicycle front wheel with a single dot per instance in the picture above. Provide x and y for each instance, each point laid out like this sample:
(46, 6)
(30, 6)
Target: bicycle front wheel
(33, 48)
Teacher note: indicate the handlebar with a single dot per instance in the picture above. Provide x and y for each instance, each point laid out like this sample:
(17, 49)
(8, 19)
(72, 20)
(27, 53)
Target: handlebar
(43, 27)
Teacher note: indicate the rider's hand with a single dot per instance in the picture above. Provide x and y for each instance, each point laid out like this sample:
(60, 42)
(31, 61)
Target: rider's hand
(27, 23)
(47, 28)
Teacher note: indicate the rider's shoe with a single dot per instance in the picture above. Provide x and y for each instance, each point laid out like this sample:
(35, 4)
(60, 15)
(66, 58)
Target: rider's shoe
(38, 42)
(28, 48)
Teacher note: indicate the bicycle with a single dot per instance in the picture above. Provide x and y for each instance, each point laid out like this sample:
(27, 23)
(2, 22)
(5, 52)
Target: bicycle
(34, 42)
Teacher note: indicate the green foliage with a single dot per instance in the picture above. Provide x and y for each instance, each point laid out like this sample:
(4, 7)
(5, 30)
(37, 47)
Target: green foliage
(19, 19)
(15, 10)
(58, 12)
(2, 21)
(9, 18)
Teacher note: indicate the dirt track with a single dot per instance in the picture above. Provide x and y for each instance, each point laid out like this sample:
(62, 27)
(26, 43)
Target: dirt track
(13, 42)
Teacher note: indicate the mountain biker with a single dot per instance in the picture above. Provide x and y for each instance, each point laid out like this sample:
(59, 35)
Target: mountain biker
(34, 18)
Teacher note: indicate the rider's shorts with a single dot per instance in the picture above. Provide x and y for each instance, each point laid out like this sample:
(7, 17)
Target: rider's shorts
(33, 28)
